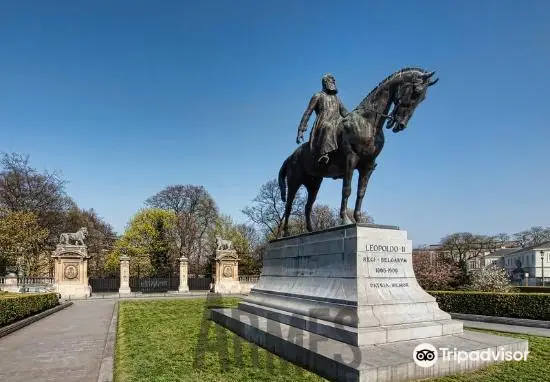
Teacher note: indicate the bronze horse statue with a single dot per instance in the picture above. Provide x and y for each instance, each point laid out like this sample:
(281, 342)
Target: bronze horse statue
(360, 138)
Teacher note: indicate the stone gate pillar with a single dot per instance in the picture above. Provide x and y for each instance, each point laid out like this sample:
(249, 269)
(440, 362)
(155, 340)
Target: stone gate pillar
(71, 271)
(124, 275)
(226, 275)
(184, 266)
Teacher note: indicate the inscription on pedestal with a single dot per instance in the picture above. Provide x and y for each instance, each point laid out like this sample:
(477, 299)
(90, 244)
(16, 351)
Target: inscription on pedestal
(385, 262)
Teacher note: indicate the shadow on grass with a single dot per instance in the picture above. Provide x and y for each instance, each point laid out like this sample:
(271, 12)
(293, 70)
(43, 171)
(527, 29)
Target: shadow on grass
(232, 350)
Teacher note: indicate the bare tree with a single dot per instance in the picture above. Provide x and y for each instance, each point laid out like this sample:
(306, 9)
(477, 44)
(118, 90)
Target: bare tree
(463, 246)
(196, 213)
(100, 240)
(533, 236)
(364, 218)
(268, 209)
(323, 217)
(24, 189)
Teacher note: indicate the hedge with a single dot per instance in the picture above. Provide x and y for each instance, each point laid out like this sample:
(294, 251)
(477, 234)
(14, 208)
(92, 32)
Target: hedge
(535, 306)
(532, 289)
(14, 307)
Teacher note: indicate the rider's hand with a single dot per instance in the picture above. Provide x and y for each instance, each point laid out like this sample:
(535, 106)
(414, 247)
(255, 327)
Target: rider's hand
(300, 138)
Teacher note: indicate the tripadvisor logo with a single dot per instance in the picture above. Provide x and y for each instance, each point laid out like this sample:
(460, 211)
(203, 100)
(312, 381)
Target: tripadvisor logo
(426, 355)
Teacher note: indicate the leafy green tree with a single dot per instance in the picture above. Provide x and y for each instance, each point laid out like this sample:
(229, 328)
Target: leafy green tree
(22, 243)
(160, 246)
(243, 237)
(149, 239)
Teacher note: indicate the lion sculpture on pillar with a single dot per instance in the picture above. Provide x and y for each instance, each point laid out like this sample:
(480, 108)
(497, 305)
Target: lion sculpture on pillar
(77, 237)
(223, 244)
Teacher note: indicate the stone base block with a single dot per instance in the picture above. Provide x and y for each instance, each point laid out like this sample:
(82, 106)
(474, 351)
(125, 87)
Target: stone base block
(339, 361)
(357, 336)
(353, 335)
(73, 291)
(123, 290)
(227, 287)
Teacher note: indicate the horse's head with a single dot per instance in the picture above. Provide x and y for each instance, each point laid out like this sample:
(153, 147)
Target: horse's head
(409, 94)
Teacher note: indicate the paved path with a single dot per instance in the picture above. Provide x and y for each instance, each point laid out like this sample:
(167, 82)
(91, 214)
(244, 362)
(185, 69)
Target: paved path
(543, 332)
(66, 346)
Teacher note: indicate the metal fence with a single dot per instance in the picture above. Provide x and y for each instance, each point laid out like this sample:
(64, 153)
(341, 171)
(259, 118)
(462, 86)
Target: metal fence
(35, 280)
(149, 284)
(28, 280)
(26, 284)
(104, 284)
(154, 284)
(199, 283)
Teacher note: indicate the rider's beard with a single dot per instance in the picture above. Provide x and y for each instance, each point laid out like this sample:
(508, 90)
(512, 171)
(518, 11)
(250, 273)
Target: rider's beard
(330, 89)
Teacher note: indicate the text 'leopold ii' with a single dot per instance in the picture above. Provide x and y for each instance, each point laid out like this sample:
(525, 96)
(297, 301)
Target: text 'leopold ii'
(385, 248)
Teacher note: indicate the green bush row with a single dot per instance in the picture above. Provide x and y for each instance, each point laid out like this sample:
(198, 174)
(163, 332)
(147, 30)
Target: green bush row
(535, 306)
(14, 308)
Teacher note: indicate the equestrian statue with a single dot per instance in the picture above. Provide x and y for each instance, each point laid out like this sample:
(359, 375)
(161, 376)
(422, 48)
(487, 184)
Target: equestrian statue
(342, 142)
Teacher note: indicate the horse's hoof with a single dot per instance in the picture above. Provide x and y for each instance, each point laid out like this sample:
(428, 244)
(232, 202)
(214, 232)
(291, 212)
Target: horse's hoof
(346, 220)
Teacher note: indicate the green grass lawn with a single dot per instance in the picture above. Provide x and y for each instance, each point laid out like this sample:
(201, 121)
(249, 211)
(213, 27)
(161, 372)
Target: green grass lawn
(172, 340)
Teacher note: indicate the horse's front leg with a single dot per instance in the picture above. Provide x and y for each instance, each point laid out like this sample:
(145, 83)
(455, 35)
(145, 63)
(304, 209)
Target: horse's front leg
(351, 162)
(364, 176)
(292, 190)
(312, 186)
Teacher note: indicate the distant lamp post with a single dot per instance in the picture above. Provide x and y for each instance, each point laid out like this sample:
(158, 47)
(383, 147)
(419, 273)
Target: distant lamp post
(542, 263)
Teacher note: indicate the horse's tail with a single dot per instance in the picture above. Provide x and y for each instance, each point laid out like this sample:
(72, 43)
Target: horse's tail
(282, 180)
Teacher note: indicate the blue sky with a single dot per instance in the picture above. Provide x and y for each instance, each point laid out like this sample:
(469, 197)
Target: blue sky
(126, 97)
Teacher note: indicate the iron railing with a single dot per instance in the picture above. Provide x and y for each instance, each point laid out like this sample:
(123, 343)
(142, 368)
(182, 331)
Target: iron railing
(249, 279)
(199, 283)
(104, 284)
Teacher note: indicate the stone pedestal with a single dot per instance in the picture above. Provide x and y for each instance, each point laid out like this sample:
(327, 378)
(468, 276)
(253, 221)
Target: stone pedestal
(124, 275)
(345, 303)
(184, 267)
(71, 271)
(10, 283)
(226, 273)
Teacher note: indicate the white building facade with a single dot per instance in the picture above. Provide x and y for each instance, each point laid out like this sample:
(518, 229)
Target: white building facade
(532, 263)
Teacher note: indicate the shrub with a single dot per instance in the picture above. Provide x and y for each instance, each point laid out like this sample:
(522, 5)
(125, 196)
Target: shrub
(490, 279)
(435, 273)
(535, 306)
(14, 307)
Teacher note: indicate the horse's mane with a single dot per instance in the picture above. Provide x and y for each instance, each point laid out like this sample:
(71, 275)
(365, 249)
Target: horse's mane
(391, 77)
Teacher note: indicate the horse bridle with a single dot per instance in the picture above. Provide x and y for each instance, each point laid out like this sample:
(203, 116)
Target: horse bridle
(387, 116)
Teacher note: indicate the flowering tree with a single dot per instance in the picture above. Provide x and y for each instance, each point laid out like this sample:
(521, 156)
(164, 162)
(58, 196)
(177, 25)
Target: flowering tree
(490, 279)
(434, 272)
